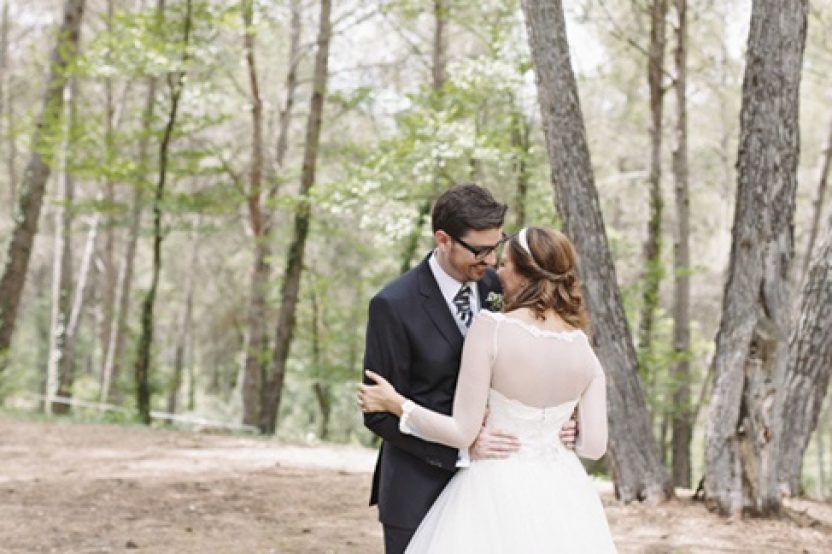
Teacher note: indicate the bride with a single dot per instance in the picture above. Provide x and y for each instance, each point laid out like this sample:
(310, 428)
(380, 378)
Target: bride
(528, 366)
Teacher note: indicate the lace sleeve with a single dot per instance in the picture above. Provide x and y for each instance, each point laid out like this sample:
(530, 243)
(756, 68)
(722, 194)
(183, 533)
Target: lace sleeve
(592, 414)
(461, 428)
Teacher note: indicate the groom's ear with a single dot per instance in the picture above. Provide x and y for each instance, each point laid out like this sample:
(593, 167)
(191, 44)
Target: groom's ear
(443, 240)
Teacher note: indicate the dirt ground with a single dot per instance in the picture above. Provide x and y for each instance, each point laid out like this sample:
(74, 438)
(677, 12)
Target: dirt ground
(80, 488)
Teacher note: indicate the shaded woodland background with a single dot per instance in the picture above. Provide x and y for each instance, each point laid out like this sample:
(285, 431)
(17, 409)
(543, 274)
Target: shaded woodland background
(228, 183)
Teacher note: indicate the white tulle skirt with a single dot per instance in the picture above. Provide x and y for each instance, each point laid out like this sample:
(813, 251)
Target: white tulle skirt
(516, 506)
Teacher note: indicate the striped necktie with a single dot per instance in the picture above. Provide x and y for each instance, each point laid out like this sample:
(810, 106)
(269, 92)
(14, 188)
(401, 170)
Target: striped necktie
(462, 301)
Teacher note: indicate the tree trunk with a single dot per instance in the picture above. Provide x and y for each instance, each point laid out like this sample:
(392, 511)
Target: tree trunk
(322, 394)
(84, 287)
(634, 455)
(109, 272)
(680, 375)
(653, 271)
(118, 323)
(62, 280)
(294, 259)
(184, 331)
(521, 151)
(61, 269)
(257, 342)
(291, 87)
(740, 470)
(809, 367)
(817, 204)
(176, 83)
(820, 492)
(37, 172)
(320, 387)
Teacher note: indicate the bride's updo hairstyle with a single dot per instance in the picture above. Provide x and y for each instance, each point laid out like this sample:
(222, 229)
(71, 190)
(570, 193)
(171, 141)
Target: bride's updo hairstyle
(546, 260)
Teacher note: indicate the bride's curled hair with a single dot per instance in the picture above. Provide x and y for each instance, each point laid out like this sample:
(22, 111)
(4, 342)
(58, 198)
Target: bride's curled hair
(549, 270)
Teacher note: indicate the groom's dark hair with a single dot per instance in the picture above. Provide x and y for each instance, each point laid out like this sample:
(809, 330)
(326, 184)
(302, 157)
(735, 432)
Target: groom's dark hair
(466, 207)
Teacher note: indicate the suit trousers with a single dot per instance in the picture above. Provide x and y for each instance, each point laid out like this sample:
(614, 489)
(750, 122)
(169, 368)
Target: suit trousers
(396, 539)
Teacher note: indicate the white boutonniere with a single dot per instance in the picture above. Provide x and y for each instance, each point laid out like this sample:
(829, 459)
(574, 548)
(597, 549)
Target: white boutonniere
(494, 301)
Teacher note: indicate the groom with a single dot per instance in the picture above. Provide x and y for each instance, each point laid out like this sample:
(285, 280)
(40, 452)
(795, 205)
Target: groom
(415, 332)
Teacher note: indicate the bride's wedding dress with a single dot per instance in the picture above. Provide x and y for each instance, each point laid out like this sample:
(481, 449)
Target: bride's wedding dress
(540, 498)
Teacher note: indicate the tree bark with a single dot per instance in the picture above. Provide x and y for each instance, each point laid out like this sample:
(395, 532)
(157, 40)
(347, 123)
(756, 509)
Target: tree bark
(257, 342)
(521, 148)
(634, 455)
(61, 270)
(62, 276)
(682, 418)
(817, 204)
(83, 291)
(653, 271)
(809, 367)
(320, 387)
(176, 83)
(294, 259)
(740, 468)
(118, 322)
(37, 172)
(291, 87)
(109, 272)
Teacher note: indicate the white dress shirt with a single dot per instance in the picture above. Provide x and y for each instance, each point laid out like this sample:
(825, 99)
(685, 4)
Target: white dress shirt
(450, 287)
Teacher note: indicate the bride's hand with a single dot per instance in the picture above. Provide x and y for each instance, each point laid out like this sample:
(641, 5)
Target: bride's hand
(381, 397)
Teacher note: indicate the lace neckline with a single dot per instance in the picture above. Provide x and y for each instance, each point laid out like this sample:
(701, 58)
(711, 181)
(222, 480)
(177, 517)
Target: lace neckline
(568, 336)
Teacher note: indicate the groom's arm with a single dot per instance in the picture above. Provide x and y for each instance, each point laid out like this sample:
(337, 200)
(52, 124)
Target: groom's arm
(387, 353)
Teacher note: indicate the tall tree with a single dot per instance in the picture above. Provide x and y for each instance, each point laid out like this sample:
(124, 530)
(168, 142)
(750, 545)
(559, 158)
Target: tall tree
(37, 171)
(84, 287)
(653, 271)
(176, 84)
(521, 152)
(62, 262)
(634, 455)
(682, 418)
(752, 338)
(303, 215)
(261, 215)
(109, 274)
(257, 341)
(118, 322)
(809, 368)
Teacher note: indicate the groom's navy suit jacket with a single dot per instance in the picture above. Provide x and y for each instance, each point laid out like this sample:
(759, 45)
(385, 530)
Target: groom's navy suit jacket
(414, 342)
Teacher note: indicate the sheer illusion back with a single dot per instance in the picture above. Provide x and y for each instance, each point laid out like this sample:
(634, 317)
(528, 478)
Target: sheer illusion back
(508, 362)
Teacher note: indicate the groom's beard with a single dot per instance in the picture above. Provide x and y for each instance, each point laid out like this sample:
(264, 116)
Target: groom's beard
(475, 272)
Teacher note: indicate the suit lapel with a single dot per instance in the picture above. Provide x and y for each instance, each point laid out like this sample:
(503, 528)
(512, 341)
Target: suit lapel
(434, 304)
(486, 285)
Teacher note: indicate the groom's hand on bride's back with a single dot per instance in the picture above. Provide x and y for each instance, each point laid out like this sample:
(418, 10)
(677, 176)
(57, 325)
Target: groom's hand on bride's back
(493, 443)
(569, 432)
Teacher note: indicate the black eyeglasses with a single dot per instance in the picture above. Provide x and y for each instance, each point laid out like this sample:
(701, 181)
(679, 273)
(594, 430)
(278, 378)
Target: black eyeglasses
(480, 252)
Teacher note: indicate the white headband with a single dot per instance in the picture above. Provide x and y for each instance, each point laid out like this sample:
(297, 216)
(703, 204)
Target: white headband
(521, 238)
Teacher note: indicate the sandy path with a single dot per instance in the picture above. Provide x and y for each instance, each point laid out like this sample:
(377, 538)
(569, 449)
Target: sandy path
(79, 488)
